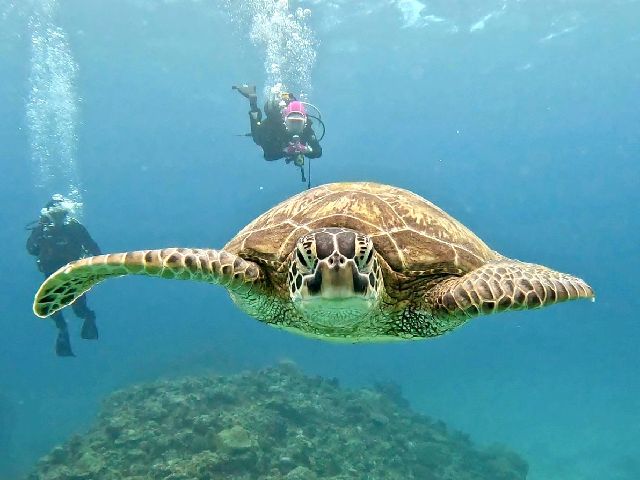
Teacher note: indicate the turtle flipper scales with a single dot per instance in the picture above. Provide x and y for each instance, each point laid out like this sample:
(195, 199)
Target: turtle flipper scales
(504, 285)
(205, 265)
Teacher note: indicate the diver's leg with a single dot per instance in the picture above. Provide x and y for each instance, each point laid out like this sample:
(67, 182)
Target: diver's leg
(255, 117)
(89, 329)
(253, 103)
(63, 344)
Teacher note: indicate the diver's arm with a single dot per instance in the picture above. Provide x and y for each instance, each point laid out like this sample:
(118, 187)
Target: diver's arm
(85, 239)
(272, 151)
(312, 141)
(33, 242)
(257, 127)
(92, 247)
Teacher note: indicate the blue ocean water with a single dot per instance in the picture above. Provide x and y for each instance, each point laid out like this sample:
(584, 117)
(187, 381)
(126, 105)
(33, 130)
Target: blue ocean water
(518, 117)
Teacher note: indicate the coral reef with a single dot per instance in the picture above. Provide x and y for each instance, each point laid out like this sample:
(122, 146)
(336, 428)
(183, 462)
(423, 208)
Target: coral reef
(273, 424)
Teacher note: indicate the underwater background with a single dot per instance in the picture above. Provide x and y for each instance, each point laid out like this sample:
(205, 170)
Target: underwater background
(518, 117)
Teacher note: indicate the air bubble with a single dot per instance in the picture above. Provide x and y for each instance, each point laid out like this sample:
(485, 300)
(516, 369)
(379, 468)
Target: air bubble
(288, 42)
(52, 106)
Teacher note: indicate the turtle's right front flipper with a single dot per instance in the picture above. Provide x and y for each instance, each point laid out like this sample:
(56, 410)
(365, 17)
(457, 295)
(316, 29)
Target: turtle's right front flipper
(212, 266)
(504, 285)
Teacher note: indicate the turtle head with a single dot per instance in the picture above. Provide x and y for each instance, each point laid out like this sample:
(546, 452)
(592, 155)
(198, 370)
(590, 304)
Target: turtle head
(335, 279)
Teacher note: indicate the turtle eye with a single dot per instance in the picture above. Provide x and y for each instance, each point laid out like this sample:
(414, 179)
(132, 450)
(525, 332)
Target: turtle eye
(364, 253)
(305, 260)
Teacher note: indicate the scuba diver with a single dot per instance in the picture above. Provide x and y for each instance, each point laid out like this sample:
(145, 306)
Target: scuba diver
(287, 131)
(56, 240)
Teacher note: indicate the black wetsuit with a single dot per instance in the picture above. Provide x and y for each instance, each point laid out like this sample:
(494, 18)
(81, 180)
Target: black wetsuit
(273, 137)
(55, 246)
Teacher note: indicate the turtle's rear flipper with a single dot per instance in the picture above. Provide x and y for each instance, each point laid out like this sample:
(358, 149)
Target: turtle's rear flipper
(205, 265)
(504, 285)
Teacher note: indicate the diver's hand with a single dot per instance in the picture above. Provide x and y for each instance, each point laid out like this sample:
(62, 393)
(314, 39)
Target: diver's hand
(295, 148)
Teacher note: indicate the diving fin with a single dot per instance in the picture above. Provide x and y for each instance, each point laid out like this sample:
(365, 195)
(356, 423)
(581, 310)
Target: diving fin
(63, 344)
(245, 90)
(89, 329)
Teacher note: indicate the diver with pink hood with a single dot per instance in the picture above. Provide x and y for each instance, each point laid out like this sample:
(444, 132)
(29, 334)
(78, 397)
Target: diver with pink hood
(287, 131)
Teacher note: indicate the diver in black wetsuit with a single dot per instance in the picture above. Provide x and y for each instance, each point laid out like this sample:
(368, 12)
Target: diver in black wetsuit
(286, 132)
(56, 240)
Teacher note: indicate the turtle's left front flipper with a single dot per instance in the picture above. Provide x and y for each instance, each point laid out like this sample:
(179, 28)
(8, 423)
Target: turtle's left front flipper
(205, 265)
(504, 285)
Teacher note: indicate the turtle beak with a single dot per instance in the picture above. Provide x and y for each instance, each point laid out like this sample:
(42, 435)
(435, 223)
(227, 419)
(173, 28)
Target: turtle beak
(336, 296)
(337, 282)
(336, 277)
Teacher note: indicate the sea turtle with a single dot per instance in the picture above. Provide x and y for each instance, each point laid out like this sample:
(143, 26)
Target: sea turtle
(343, 261)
